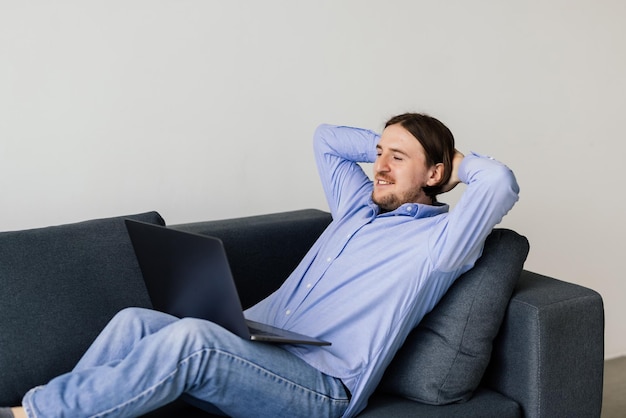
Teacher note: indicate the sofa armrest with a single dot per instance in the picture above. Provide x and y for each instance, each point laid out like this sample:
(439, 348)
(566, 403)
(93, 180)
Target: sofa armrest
(549, 354)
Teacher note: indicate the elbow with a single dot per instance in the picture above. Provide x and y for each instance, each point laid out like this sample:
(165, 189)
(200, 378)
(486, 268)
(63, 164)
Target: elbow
(498, 185)
(504, 186)
(321, 136)
(507, 180)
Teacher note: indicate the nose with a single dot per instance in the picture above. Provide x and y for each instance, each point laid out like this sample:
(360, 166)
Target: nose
(381, 164)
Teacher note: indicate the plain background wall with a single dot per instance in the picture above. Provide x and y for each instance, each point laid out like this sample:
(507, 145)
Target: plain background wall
(205, 110)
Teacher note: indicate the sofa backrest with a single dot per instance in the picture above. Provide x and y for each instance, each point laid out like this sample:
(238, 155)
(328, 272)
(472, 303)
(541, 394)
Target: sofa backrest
(263, 250)
(59, 287)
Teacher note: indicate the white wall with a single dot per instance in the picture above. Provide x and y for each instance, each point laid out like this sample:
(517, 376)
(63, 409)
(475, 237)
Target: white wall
(205, 109)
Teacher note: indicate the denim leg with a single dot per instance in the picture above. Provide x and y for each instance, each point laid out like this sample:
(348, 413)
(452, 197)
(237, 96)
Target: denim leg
(121, 334)
(157, 358)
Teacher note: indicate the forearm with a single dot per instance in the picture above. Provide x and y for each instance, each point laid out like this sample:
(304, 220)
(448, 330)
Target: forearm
(338, 150)
(492, 188)
(345, 143)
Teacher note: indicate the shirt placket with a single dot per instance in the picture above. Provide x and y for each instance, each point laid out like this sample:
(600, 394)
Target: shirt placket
(324, 260)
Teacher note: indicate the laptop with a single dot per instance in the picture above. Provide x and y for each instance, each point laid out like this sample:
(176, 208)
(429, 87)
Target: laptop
(188, 275)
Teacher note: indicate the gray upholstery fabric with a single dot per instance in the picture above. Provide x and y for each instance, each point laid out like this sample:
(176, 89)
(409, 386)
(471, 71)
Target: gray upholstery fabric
(484, 404)
(59, 286)
(264, 249)
(547, 357)
(445, 357)
(551, 345)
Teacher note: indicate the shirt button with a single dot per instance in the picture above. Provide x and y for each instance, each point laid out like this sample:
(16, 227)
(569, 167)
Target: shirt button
(308, 286)
(329, 259)
(409, 208)
(288, 312)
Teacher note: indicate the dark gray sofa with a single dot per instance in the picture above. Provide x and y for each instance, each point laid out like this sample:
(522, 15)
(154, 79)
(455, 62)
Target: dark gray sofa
(61, 284)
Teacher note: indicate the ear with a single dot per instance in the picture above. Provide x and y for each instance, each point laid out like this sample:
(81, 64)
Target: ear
(435, 175)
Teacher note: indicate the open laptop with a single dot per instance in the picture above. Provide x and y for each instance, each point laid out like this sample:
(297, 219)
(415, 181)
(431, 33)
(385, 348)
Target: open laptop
(188, 275)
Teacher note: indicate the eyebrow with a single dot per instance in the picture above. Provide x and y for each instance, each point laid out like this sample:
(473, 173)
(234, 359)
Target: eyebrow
(399, 151)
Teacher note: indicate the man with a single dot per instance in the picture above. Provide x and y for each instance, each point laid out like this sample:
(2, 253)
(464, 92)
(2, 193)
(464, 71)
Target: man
(387, 258)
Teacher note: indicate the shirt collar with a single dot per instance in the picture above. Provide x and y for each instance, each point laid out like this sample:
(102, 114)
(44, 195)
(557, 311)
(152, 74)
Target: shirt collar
(416, 210)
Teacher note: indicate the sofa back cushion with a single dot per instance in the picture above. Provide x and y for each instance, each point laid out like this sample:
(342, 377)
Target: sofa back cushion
(264, 249)
(59, 287)
(445, 356)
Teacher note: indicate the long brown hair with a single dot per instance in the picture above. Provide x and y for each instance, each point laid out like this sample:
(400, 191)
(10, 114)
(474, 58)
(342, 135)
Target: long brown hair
(437, 141)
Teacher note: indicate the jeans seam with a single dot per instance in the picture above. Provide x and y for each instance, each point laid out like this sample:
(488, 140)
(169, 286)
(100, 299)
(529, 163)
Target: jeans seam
(284, 379)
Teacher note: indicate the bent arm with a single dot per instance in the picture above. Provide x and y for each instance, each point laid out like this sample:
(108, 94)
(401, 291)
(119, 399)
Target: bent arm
(338, 150)
(491, 192)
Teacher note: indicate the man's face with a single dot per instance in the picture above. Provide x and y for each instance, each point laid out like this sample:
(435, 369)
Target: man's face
(400, 170)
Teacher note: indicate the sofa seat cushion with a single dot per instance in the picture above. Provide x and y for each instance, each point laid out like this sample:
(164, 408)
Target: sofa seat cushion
(60, 286)
(484, 404)
(445, 356)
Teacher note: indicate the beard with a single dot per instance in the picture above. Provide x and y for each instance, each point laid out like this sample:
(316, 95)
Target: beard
(392, 201)
(387, 203)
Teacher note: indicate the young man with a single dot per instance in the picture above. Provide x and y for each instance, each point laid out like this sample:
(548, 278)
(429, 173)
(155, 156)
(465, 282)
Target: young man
(387, 258)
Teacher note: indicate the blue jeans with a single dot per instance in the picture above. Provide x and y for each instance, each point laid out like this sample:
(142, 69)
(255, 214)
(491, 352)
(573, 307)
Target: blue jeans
(144, 359)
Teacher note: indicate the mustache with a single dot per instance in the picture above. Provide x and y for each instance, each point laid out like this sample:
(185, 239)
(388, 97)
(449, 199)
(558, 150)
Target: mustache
(383, 178)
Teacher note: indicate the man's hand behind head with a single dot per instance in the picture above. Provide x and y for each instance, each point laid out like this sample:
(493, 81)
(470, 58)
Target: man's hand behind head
(454, 177)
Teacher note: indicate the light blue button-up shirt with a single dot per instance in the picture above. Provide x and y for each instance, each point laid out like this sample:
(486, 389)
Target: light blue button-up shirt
(370, 278)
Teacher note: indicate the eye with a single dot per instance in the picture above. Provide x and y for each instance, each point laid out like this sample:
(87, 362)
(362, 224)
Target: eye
(395, 157)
